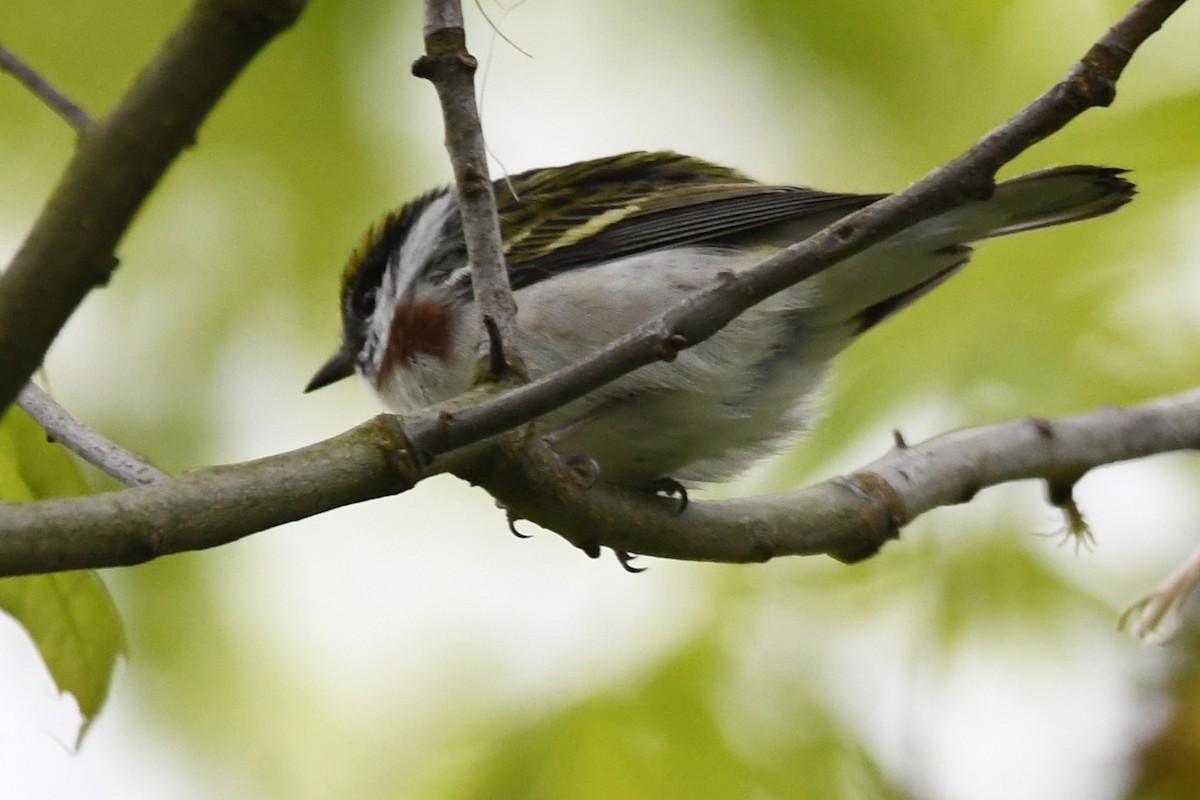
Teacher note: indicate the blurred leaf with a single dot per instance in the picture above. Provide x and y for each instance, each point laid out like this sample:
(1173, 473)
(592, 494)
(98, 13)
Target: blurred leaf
(663, 738)
(34, 468)
(1166, 765)
(1125, 133)
(658, 739)
(232, 269)
(73, 621)
(69, 615)
(981, 582)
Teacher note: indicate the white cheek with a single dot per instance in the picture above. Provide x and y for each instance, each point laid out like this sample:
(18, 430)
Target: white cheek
(403, 268)
(422, 241)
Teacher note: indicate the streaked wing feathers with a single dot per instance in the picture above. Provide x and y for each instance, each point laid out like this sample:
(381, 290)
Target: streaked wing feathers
(635, 203)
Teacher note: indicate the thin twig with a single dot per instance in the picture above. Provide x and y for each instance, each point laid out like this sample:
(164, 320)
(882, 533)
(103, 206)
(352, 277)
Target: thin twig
(451, 69)
(496, 32)
(1157, 616)
(44, 90)
(129, 468)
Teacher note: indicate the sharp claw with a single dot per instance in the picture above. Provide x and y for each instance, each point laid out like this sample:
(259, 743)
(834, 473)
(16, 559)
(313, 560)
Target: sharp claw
(671, 488)
(512, 525)
(625, 559)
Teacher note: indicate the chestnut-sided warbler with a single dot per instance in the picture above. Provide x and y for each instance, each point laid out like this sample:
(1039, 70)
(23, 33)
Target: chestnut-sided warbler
(596, 248)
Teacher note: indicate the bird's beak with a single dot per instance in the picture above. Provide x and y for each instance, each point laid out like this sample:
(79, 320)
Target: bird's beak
(341, 365)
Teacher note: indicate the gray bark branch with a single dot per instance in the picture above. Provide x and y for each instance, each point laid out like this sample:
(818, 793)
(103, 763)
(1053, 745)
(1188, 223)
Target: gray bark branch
(848, 517)
(451, 69)
(114, 460)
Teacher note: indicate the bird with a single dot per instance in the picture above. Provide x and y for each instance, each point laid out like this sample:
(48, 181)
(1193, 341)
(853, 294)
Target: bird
(595, 248)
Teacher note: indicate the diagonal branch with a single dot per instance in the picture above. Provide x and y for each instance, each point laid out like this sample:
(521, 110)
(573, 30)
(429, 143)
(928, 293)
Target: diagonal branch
(1090, 82)
(849, 517)
(115, 461)
(72, 247)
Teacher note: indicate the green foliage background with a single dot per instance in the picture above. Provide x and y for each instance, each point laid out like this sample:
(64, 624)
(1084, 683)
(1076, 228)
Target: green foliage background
(413, 649)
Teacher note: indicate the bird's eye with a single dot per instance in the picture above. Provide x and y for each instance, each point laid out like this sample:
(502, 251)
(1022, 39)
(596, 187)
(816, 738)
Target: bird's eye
(362, 303)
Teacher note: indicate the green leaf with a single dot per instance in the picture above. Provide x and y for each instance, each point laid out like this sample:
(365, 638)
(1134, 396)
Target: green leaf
(32, 468)
(679, 732)
(70, 616)
(73, 622)
(1000, 581)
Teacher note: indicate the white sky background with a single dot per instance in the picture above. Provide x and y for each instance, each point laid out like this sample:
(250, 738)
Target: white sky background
(413, 583)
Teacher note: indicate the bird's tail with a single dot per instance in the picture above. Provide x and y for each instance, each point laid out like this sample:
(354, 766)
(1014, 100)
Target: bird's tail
(877, 283)
(1058, 195)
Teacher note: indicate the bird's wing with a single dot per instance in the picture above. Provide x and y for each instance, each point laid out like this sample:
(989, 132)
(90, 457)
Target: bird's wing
(563, 218)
